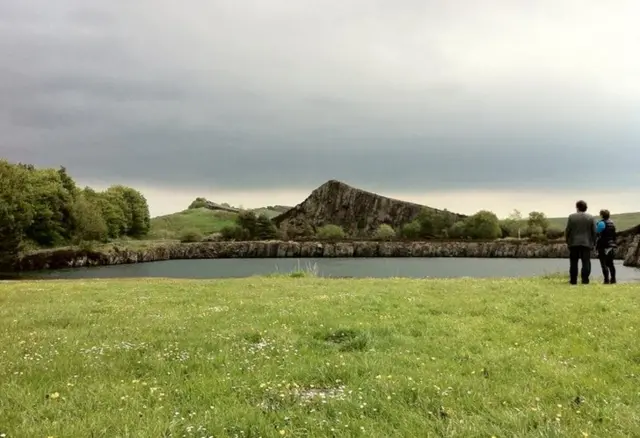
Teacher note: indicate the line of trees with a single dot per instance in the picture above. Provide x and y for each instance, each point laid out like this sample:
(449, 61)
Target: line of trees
(432, 224)
(44, 208)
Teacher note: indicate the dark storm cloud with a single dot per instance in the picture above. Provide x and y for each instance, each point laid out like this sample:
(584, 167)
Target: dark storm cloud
(253, 95)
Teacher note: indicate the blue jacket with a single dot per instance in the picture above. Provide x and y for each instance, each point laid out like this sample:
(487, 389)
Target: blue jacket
(607, 235)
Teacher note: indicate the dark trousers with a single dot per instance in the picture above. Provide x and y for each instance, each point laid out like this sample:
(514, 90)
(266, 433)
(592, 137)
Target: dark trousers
(607, 264)
(582, 254)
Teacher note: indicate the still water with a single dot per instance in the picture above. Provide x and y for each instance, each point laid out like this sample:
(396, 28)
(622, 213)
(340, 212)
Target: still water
(339, 267)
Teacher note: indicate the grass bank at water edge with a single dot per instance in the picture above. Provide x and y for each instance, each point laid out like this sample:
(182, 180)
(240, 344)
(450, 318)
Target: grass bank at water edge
(308, 357)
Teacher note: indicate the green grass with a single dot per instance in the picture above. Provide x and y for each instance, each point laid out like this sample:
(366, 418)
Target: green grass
(310, 357)
(623, 221)
(206, 221)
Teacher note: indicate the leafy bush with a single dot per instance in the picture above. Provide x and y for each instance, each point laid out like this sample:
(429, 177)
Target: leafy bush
(538, 237)
(265, 228)
(191, 235)
(234, 232)
(458, 230)
(296, 231)
(506, 230)
(249, 221)
(435, 223)
(535, 233)
(410, 231)
(88, 220)
(198, 203)
(534, 230)
(384, 232)
(538, 219)
(483, 225)
(554, 233)
(330, 232)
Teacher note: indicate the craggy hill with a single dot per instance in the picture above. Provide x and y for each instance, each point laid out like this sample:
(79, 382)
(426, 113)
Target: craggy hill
(355, 210)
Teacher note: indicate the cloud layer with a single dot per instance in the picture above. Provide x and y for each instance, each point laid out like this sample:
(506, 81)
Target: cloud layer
(406, 96)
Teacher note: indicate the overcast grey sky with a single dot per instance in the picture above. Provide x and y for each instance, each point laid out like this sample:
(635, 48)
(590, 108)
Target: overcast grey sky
(457, 102)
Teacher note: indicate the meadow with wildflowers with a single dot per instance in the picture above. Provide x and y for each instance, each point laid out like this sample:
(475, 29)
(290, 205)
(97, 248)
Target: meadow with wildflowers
(310, 357)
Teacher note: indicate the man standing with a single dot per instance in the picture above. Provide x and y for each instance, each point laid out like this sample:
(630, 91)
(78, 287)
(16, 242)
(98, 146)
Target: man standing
(581, 238)
(606, 246)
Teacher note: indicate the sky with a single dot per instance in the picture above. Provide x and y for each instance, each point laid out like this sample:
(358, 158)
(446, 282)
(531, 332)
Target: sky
(457, 104)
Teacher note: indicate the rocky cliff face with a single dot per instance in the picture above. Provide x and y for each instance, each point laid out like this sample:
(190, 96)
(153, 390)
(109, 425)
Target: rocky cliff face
(632, 252)
(353, 209)
(629, 246)
(66, 258)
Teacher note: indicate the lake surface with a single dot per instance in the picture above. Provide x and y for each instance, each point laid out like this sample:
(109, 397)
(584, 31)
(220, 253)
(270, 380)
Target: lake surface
(339, 267)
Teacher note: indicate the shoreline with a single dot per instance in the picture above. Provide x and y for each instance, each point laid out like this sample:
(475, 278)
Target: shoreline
(65, 258)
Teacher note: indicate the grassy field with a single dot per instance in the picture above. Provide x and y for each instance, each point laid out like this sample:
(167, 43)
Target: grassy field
(623, 221)
(307, 357)
(206, 221)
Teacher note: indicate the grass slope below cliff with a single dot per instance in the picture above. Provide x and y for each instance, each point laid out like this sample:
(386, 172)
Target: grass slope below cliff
(318, 358)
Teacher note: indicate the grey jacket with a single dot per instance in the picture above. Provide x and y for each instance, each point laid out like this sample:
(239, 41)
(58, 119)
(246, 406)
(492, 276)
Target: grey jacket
(581, 230)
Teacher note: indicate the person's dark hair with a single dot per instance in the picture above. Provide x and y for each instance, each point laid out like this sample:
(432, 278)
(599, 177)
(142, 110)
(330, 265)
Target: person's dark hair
(604, 214)
(581, 206)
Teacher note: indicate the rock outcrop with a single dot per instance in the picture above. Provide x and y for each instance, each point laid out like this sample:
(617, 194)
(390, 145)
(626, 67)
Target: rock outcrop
(67, 258)
(353, 209)
(632, 255)
(630, 249)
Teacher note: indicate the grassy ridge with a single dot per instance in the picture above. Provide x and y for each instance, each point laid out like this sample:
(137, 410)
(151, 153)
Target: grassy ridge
(623, 221)
(318, 358)
(209, 221)
(206, 221)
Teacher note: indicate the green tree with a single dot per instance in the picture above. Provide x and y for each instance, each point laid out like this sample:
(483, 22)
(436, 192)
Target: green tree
(297, 231)
(248, 221)
(16, 211)
(513, 224)
(89, 224)
(141, 219)
(265, 228)
(538, 219)
(434, 223)
(134, 207)
(483, 225)
(536, 233)
(113, 209)
(554, 233)
(384, 232)
(52, 205)
(234, 232)
(44, 207)
(191, 235)
(410, 231)
(330, 232)
(458, 230)
(198, 203)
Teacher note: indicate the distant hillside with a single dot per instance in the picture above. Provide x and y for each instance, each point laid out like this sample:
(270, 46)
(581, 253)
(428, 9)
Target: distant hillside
(334, 202)
(207, 219)
(623, 221)
(353, 209)
(271, 210)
